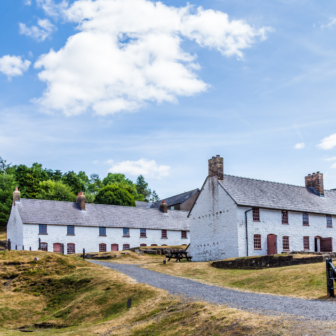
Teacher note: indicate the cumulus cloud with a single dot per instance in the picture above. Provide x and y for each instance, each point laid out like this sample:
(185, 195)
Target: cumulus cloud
(299, 145)
(147, 168)
(40, 33)
(129, 52)
(328, 142)
(13, 65)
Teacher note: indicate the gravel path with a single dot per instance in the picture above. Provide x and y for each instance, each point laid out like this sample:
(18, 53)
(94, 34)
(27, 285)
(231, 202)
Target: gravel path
(260, 303)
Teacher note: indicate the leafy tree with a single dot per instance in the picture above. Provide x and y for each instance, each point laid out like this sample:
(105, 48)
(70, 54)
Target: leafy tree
(54, 175)
(4, 166)
(154, 197)
(142, 188)
(73, 181)
(55, 191)
(115, 194)
(7, 186)
(116, 178)
(95, 184)
(21, 176)
(32, 184)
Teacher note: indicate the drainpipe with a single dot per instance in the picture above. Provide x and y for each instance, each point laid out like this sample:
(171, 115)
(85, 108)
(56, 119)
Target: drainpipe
(246, 231)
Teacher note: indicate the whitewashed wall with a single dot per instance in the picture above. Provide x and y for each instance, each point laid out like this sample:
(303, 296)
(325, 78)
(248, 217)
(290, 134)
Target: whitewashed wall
(270, 223)
(14, 229)
(213, 224)
(88, 237)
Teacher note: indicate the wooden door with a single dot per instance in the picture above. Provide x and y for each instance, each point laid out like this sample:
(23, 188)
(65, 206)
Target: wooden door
(114, 247)
(58, 248)
(271, 244)
(326, 245)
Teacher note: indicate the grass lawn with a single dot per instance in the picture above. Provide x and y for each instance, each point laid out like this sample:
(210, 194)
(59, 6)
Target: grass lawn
(305, 281)
(87, 299)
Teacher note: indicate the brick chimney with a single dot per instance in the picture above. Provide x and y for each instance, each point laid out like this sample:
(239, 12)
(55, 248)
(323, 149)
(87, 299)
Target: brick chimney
(164, 207)
(315, 181)
(80, 199)
(216, 167)
(16, 196)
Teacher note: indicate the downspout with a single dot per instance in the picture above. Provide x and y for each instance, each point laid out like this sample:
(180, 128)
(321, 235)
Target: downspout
(246, 231)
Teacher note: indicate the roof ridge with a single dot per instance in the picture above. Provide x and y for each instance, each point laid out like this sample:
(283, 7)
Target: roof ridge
(185, 192)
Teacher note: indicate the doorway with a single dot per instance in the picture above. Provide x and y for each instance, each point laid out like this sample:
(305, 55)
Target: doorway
(114, 247)
(271, 244)
(326, 244)
(317, 241)
(58, 248)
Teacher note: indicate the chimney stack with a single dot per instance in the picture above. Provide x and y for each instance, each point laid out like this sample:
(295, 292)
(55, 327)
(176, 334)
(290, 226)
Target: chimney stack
(216, 167)
(315, 181)
(80, 199)
(16, 196)
(164, 207)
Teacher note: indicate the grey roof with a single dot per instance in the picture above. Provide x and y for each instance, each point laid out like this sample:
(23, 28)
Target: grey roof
(265, 194)
(34, 211)
(177, 199)
(141, 204)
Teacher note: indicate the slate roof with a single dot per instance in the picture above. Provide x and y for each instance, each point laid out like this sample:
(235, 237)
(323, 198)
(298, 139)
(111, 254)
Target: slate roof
(34, 211)
(177, 199)
(141, 204)
(265, 194)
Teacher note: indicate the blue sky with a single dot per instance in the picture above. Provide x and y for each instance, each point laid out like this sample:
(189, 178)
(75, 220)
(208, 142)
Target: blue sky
(252, 103)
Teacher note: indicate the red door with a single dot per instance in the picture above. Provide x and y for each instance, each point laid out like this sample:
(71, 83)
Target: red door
(271, 244)
(58, 248)
(326, 244)
(114, 247)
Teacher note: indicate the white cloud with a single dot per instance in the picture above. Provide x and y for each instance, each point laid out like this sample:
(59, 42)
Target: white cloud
(328, 142)
(95, 162)
(40, 33)
(148, 168)
(330, 24)
(51, 8)
(128, 52)
(299, 145)
(27, 2)
(13, 65)
(330, 159)
(333, 166)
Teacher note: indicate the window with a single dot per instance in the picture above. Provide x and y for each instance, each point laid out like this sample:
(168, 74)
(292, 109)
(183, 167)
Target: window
(102, 231)
(71, 248)
(257, 242)
(44, 247)
(102, 247)
(71, 229)
(329, 221)
(143, 244)
(126, 232)
(256, 215)
(284, 217)
(142, 233)
(164, 234)
(42, 229)
(154, 245)
(172, 207)
(126, 246)
(285, 243)
(184, 234)
(163, 245)
(306, 243)
(305, 218)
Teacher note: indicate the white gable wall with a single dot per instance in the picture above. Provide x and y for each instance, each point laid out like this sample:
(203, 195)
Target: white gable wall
(270, 223)
(15, 229)
(213, 224)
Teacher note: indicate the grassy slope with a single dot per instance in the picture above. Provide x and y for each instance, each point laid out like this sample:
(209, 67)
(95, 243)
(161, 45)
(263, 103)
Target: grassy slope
(91, 299)
(306, 281)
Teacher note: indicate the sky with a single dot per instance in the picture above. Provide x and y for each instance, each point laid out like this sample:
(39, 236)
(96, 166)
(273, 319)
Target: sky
(158, 88)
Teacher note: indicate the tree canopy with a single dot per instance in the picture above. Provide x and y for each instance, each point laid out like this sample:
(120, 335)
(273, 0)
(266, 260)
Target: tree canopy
(115, 194)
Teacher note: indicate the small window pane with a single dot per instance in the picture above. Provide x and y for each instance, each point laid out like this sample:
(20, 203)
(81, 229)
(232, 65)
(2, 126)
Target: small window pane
(306, 243)
(126, 232)
(42, 228)
(71, 248)
(143, 233)
(71, 230)
(257, 242)
(126, 246)
(184, 234)
(285, 243)
(329, 221)
(44, 247)
(305, 218)
(102, 231)
(102, 247)
(284, 217)
(164, 233)
(256, 215)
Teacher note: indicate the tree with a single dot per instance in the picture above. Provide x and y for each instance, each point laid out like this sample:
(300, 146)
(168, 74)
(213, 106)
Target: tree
(154, 197)
(3, 165)
(7, 186)
(73, 181)
(142, 188)
(115, 194)
(32, 184)
(116, 178)
(55, 191)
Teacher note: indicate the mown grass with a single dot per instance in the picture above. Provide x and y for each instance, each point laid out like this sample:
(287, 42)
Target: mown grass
(305, 281)
(88, 299)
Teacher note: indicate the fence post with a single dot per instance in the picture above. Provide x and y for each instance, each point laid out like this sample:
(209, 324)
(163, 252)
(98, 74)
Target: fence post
(84, 254)
(22, 247)
(62, 248)
(39, 243)
(330, 281)
(16, 247)
(30, 248)
(9, 244)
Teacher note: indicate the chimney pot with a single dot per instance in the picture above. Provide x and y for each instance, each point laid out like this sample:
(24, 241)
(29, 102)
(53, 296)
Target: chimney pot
(80, 199)
(216, 167)
(164, 207)
(16, 195)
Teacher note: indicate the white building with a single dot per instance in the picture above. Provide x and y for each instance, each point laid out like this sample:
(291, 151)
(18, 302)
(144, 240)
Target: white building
(70, 227)
(237, 217)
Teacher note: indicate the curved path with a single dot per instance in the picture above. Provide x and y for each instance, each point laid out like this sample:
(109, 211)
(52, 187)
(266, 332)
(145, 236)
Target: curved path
(259, 303)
